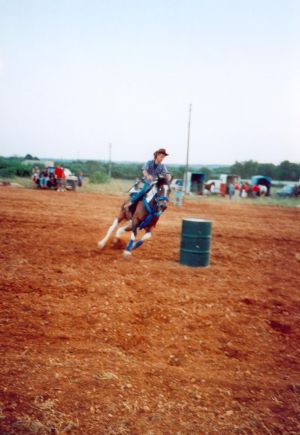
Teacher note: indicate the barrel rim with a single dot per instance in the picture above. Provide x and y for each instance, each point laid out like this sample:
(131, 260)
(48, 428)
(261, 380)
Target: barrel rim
(195, 220)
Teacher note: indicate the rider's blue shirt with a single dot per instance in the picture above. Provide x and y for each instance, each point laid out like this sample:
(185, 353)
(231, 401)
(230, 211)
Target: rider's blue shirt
(155, 169)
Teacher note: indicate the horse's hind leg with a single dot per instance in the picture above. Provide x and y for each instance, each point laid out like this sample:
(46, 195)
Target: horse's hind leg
(111, 229)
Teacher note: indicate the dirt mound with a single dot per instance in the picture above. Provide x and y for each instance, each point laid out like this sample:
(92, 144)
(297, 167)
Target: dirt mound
(93, 343)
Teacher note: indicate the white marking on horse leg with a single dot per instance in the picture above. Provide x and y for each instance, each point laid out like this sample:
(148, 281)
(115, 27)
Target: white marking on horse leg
(120, 231)
(126, 254)
(146, 236)
(165, 190)
(103, 242)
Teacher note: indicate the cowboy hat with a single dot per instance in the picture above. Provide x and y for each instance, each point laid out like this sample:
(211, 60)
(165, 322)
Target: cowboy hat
(161, 151)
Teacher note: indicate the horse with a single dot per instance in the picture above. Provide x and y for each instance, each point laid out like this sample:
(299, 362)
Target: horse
(142, 215)
(209, 188)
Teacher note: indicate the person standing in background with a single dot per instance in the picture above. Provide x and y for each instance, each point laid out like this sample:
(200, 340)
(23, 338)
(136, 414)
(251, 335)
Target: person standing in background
(60, 177)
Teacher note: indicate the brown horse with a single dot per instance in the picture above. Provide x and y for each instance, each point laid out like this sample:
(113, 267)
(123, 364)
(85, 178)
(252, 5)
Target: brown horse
(143, 215)
(210, 187)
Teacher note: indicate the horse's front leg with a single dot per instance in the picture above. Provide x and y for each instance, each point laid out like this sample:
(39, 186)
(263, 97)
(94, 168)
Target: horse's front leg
(145, 237)
(122, 230)
(130, 245)
(111, 229)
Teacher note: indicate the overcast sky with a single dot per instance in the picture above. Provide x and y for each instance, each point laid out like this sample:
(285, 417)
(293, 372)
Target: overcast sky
(77, 75)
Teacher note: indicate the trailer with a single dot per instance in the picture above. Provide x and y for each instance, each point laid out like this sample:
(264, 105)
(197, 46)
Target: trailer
(195, 183)
(262, 180)
(226, 180)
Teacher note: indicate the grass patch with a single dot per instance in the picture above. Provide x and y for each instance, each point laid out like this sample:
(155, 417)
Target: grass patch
(19, 182)
(112, 187)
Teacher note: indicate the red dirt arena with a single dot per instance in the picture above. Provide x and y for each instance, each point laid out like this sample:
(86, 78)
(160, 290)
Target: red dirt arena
(93, 343)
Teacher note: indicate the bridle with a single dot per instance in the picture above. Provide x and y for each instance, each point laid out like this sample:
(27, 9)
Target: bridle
(159, 206)
(162, 199)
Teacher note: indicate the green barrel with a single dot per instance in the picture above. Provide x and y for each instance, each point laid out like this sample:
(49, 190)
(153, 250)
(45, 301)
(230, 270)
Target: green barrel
(195, 242)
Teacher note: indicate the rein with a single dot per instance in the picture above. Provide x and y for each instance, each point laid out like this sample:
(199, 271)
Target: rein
(152, 212)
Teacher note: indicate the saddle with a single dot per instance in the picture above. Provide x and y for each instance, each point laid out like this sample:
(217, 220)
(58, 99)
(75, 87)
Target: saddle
(134, 195)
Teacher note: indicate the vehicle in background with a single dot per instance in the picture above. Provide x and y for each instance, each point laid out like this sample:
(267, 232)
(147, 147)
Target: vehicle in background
(226, 180)
(195, 183)
(289, 191)
(176, 183)
(212, 187)
(262, 180)
(71, 180)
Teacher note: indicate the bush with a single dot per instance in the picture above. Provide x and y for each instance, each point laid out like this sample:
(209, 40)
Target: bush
(7, 172)
(99, 178)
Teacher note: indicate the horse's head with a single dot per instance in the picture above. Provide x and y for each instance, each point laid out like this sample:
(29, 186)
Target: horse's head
(163, 192)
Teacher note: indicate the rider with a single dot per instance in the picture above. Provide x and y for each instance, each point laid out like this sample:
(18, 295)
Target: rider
(151, 170)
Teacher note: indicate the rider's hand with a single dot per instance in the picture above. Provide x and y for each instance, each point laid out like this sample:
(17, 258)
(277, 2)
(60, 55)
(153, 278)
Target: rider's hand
(149, 178)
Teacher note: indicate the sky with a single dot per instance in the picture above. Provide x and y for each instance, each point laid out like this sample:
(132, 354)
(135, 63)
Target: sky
(79, 75)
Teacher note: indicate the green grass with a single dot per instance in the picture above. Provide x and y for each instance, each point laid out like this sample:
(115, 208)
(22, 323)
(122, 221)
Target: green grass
(19, 182)
(269, 201)
(112, 187)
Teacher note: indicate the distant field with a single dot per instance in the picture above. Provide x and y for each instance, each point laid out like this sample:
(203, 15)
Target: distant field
(120, 188)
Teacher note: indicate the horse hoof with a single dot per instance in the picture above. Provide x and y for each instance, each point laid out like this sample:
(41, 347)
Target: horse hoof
(101, 244)
(126, 254)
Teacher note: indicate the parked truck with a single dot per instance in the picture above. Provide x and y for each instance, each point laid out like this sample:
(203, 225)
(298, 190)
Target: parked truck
(70, 180)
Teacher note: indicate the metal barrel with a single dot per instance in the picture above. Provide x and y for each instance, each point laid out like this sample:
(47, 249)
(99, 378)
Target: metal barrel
(195, 242)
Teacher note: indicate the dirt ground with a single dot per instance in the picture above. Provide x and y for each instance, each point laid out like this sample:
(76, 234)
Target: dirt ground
(93, 343)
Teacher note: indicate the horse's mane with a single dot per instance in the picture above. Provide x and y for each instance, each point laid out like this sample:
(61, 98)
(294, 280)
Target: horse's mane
(161, 181)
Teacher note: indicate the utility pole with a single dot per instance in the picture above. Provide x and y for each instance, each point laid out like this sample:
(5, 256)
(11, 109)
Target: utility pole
(187, 151)
(109, 161)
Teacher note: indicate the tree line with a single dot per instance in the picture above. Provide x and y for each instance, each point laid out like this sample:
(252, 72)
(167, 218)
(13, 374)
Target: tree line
(284, 171)
(99, 170)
